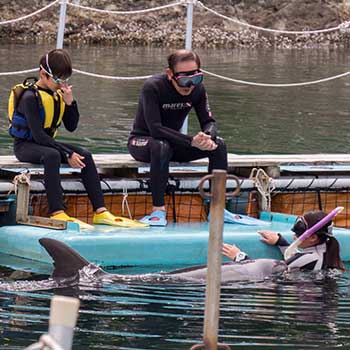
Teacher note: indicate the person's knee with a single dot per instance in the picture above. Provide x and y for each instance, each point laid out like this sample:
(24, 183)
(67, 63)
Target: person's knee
(221, 145)
(161, 149)
(51, 158)
(85, 153)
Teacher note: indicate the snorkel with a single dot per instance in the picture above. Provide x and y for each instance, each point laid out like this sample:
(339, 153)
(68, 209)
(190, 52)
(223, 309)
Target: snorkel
(292, 249)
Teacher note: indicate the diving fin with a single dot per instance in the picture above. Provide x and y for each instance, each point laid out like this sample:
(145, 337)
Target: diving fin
(106, 218)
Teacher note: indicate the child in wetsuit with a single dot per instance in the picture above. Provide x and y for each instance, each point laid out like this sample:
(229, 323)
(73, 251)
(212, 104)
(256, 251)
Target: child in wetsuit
(37, 115)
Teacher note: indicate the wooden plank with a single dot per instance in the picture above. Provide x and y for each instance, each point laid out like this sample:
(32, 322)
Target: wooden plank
(123, 161)
(43, 222)
(22, 201)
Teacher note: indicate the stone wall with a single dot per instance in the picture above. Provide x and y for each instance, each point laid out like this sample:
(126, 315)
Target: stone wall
(167, 27)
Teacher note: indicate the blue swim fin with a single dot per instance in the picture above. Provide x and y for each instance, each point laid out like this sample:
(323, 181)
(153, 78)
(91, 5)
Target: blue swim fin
(232, 218)
(157, 218)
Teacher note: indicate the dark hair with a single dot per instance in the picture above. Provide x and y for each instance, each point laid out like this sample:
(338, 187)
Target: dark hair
(58, 63)
(309, 219)
(332, 258)
(182, 56)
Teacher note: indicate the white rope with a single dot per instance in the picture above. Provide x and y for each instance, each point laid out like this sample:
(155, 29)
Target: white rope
(343, 26)
(264, 185)
(111, 76)
(46, 341)
(29, 15)
(126, 12)
(20, 72)
(277, 85)
(23, 178)
(125, 203)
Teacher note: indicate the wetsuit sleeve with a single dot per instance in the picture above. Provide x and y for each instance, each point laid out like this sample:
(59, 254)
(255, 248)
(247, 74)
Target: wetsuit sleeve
(207, 123)
(150, 105)
(30, 108)
(282, 243)
(71, 116)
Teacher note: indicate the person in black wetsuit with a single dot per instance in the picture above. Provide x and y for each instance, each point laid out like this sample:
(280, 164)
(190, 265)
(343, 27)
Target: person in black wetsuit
(164, 104)
(34, 123)
(319, 251)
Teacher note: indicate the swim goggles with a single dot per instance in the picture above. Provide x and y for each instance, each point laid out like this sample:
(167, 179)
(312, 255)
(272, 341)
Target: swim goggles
(188, 79)
(301, 226)
(48, 71)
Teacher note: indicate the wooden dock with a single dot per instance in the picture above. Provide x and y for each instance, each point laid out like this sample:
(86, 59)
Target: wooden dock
(125, 161)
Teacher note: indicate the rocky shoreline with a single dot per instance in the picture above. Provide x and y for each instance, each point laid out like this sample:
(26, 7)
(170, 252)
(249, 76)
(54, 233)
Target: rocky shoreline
(167, 27)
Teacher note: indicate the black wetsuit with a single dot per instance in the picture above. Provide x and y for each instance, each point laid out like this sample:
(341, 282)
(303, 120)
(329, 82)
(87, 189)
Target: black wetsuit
(43, 149)
(156, 137)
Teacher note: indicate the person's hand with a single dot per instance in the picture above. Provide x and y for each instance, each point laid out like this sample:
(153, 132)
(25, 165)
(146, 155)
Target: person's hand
(76, 161)
(67, 94)
(230, 250)
(269, 237)
(203, 142)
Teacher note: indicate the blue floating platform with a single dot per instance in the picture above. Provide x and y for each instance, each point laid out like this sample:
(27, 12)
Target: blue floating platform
(176, 244)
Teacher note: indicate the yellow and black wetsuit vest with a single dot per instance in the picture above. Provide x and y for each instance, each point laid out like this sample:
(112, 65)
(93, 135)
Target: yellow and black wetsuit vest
(51, 110)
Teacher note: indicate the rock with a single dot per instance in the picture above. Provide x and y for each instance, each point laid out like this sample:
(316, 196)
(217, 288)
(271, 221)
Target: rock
(167, 27)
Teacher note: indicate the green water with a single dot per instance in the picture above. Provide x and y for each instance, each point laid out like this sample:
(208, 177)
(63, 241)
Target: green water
(307, 119)
(283, 314)
(296, 313)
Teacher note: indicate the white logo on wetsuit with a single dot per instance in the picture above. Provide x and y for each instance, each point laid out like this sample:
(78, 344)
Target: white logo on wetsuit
(176, 106)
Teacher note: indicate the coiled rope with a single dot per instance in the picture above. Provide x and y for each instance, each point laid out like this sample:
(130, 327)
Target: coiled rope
(30, 14)
(264, 184)
(22, 178)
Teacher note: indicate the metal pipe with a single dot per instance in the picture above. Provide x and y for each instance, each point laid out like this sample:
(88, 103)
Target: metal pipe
(61, 24)
(189, 25)
(212, 295)
(188, 46)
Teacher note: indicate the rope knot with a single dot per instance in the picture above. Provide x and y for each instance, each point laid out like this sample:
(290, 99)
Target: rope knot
(264, 184)
(22, 178)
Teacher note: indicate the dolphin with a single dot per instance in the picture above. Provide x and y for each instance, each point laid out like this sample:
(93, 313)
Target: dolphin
(70, 269)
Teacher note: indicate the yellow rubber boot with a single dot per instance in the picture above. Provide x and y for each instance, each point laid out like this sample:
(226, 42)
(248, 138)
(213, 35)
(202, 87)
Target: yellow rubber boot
(64, 217)
(106, 218)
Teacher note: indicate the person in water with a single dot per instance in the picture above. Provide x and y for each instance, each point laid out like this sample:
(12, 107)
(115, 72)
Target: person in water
(164, 104)
(319, 251)
(37, 112)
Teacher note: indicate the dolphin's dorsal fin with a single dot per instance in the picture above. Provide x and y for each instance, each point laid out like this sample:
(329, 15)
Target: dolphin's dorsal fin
(67, 261)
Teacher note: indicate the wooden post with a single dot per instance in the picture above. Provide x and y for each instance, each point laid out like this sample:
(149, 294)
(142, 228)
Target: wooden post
(212, 295)
(22, 197)
(22, 184)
